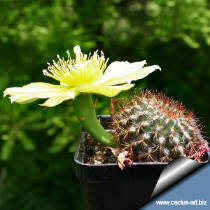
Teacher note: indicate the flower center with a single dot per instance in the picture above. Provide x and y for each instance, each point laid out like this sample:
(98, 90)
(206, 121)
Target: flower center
(83, 69)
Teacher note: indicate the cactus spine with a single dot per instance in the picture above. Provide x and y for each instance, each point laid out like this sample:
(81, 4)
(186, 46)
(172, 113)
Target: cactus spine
(152, 127)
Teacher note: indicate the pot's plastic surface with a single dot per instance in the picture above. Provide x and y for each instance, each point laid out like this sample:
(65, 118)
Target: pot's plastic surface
(106, 187)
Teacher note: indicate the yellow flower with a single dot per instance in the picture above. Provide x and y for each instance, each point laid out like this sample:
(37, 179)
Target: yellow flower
(84, 74)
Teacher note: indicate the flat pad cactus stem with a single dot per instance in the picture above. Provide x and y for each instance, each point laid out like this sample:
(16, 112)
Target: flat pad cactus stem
(85, 111)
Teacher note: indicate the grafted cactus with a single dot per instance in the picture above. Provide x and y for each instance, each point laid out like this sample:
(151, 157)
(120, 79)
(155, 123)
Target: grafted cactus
(153, 127)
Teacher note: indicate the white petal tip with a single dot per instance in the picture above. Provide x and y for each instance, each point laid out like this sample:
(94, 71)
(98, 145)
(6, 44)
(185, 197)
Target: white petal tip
(11, 99)
(6, 92)
(158, 67)
(44, 71)
(77, 49)
(44, 104)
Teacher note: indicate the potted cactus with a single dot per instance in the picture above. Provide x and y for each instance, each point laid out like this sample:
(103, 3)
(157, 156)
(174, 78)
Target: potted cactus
(145, 134)
(151, 130)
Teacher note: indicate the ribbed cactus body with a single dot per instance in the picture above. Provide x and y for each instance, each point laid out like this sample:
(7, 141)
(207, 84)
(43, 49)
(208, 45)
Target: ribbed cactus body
(153, 127)
(149, 128)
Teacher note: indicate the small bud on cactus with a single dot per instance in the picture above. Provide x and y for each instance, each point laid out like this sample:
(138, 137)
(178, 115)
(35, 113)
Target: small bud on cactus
(152, 127)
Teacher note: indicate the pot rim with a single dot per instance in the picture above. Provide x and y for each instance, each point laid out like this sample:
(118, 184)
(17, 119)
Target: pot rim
(133, 164)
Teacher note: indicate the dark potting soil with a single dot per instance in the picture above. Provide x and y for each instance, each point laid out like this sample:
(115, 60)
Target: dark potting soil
(95, 153)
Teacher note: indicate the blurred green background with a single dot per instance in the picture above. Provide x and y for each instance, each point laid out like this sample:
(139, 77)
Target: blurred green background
(37, 171)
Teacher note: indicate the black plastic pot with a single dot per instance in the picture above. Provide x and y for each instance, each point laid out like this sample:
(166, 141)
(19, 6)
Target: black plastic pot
(106, 187)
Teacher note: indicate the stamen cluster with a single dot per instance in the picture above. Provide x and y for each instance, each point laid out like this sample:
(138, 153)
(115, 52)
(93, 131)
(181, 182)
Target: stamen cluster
(83, 69)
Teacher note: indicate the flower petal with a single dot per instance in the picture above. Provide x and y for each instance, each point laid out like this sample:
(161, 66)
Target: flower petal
(125, 72)
(102, 89)
(33, 91)
(120, 69)
(22, 99)
(54, 101)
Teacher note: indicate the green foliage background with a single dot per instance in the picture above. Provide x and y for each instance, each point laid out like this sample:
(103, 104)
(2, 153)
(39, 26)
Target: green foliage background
(37, 171)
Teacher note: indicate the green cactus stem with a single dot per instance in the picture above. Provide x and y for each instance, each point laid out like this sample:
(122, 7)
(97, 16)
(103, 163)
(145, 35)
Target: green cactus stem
(85, 111)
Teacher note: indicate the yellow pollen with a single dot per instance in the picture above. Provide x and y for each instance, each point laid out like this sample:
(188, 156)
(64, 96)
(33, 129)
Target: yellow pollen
(83, 69)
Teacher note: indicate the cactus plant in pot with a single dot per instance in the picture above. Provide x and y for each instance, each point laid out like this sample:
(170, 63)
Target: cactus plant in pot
(146, 132)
